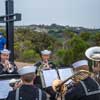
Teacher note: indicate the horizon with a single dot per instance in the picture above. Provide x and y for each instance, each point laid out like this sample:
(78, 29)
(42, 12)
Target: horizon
(79, 13)
(50, 25)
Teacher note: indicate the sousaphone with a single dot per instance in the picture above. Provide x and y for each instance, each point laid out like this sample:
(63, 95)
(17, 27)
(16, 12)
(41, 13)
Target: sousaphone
(93, 53)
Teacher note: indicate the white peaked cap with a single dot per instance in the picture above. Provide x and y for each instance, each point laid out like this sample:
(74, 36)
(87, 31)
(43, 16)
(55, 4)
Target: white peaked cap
(45, 52)
(26, 70)
(5, 51)
(80, 63)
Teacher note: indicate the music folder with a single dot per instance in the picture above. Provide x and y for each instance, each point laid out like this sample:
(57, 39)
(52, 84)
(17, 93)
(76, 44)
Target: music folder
(4, 84)
(50, 75)
(4, 88)
(65, 73)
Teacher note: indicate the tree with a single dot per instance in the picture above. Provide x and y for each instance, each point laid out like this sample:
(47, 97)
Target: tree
(67, 35)
(86, 36)
(26, 40)
(76, 49)
(97, 39)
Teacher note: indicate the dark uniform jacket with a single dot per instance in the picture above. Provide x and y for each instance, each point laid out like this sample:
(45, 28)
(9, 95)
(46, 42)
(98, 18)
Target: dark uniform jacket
(6, 72)
(38, 82)
(87, 89)
(28, 92)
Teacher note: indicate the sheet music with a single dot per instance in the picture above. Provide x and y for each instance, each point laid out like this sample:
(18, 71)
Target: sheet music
(65, 73)
(49, 76)
(4, 88)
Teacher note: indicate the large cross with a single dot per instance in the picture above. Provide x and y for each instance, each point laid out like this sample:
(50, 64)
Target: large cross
(9, 19)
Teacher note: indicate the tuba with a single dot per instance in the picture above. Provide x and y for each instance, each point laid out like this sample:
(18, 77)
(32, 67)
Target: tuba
(61, 88)
(93, 53)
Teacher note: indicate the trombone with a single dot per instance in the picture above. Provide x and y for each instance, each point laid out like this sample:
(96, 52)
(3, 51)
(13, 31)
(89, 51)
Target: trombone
(61, 88)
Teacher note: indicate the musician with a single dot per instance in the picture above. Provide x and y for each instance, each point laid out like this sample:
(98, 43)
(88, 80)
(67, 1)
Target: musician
(45, 64)
(6, 67)
(27, 91)
(86, 89)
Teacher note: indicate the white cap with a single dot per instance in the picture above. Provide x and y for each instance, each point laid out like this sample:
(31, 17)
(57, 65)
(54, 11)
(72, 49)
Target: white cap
(80, 63)
(45, 52)
(5, 51)
(26, 70)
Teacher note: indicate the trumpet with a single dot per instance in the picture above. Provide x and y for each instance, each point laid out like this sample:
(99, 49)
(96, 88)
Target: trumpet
(13, 81)
(60, 86)
(46, 65)
(9, 66)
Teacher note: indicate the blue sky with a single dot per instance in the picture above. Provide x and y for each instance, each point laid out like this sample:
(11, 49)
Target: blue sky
(84, 13)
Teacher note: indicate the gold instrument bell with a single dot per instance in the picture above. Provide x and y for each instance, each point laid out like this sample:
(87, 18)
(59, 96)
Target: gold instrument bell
(93, 53)
(59, 86)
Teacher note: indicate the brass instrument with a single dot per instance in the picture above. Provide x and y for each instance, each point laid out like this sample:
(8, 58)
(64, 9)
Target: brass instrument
(13, 81)
(45, 65)
(93, 53)
(60, 86)
(10, 68)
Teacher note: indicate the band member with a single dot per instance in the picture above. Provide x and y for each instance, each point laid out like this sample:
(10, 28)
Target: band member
(27, 91)
(45, 64)
(6, 67)
(86, 89)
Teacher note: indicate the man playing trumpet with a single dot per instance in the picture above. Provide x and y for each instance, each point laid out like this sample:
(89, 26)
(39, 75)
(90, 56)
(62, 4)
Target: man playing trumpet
(45, 64)
(85, 89)
(6, 67)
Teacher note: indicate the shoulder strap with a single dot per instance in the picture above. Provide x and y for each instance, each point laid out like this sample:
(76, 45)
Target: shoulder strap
(41, 97)
(92, 92)
(17, 94)
(40, 94)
